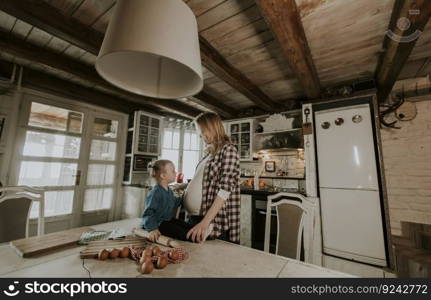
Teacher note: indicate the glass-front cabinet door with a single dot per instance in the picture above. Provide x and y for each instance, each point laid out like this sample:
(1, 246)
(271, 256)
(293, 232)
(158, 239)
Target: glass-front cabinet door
(147, 134)
(241, 134)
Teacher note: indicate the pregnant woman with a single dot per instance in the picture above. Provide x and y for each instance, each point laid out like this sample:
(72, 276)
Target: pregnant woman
(212, 198)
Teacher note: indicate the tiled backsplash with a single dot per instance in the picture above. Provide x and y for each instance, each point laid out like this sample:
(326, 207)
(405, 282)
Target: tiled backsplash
(289, 163)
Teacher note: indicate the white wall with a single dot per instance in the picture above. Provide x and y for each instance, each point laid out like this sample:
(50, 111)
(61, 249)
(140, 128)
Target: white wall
(133, 202)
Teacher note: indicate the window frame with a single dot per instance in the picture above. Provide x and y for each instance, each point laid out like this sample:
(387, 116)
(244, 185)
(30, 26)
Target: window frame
(78, 216)
(182, 131)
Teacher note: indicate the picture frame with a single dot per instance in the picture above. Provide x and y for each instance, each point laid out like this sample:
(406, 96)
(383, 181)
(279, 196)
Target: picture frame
(270, 166)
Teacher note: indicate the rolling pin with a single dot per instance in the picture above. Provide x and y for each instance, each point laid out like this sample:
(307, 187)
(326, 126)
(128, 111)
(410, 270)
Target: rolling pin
(162, 240)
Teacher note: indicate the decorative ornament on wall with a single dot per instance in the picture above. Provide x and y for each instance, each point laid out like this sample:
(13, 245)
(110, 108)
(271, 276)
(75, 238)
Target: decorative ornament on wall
(407, 111)
(277, 122)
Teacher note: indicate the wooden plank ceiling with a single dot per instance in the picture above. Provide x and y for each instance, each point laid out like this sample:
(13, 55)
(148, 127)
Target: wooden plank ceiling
(258, 56)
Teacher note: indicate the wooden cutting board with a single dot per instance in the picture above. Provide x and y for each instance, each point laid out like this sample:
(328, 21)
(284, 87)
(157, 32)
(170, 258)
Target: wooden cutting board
(94, 247)
(46, 243)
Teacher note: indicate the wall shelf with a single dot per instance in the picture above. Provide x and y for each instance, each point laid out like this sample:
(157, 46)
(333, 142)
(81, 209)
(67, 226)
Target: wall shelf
(279, 131)
(273, 150)
(274, 177)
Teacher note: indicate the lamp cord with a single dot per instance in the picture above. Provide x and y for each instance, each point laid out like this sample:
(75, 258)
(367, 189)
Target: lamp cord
(159, 75)
(86, 269)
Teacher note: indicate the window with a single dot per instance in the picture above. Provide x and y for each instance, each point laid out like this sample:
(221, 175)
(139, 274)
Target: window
(182, 145)
(56, 118)
(191, 153)
(171, 145)
(50, 156)
(75, 181)
(99, 188)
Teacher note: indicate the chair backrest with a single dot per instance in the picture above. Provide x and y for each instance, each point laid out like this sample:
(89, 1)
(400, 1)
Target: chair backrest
(290, 224)
(14, 218)
(15, 206)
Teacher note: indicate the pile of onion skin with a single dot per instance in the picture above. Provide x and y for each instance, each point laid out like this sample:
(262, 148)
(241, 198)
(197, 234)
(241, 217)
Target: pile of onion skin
(152, 257)
(114, 253)
(155, 257)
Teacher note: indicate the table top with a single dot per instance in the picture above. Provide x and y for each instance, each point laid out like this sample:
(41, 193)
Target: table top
(210, 259)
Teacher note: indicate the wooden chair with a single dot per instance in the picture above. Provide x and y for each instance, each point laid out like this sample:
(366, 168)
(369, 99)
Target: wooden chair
(15, 206)
(291, 220)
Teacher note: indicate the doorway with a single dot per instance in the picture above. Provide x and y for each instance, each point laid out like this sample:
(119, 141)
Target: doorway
(74, 152)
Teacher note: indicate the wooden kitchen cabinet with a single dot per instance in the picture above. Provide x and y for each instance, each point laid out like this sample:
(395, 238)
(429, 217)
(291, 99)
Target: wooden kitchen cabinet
(241, 134)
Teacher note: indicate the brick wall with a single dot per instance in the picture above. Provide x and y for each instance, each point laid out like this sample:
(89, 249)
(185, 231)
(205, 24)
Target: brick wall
(407, 159)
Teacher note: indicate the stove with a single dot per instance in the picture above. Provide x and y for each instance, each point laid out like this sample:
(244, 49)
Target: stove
(259, 202)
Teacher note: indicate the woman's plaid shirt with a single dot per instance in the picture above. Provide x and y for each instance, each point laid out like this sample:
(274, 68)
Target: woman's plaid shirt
(222, 172)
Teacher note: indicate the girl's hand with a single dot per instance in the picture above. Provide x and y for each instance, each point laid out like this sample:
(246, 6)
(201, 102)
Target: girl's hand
(198, 232)
(179, 186)
(154, 235)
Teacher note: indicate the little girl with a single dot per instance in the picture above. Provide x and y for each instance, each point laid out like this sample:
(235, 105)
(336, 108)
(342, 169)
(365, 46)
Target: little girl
(161, 205)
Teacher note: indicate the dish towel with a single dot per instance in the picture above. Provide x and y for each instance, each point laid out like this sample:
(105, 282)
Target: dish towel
(90, 236)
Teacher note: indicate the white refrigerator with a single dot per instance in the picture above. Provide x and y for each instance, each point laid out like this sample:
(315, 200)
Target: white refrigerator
(352, 221)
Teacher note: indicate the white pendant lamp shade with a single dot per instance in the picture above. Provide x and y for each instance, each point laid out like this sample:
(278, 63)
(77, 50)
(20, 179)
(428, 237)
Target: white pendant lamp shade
(151, 48)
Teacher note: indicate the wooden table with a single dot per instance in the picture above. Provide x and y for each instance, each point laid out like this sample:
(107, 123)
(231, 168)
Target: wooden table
(210, 259)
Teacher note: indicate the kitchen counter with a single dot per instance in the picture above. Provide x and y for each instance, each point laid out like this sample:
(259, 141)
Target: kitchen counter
(257, 192)
(210, 259)
(268, 192)
(138, 185)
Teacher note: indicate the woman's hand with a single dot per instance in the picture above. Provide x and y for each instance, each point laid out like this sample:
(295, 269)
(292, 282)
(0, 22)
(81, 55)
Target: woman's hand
(199, 232)
(154, 235)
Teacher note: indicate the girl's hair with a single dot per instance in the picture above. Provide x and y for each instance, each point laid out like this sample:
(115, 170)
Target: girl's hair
(159, 167)
(210, 124)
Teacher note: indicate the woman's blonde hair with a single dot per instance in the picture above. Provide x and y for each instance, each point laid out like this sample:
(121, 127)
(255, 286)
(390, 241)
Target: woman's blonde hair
(211, 126)
(159, 167)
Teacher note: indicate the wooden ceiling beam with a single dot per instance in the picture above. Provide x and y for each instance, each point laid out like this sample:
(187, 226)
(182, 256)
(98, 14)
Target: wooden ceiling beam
(51, 84)
(206, 99)
(174, 106)
(398, 43)
(220, 67)
(284, 20)
(48, 18)
(19, 48)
